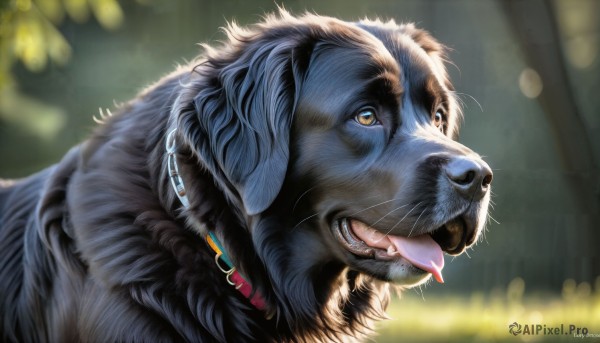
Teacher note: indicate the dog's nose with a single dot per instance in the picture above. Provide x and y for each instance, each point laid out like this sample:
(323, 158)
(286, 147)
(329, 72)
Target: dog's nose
(470, 177)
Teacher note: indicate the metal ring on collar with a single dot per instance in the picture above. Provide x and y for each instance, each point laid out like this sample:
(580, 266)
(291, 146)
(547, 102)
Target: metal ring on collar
(173, 169)
(228, 278)
(226, 271)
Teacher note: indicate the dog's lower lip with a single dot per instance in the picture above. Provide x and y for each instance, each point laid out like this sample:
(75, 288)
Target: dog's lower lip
(343, 232)
(351, 242)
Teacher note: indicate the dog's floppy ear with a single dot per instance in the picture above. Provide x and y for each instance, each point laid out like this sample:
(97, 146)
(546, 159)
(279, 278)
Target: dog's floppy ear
(244, 108)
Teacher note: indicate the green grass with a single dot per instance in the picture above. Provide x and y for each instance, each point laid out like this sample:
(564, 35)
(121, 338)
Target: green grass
(485, 317)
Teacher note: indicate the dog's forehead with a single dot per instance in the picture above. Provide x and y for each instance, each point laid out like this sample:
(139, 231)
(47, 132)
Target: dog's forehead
(414, 63)
(358, 37)
(346, 61)
(420, 59)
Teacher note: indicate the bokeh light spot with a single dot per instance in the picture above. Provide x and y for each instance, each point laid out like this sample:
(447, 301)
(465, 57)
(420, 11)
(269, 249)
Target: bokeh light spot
(530, 83)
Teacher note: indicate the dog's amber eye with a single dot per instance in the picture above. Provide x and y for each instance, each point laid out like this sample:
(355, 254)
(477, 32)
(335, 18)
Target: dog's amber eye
(438, 120)
(366, 117)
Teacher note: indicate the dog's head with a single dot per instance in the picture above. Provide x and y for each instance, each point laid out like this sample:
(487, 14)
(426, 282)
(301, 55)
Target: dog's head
(335, 144)
(375, 150)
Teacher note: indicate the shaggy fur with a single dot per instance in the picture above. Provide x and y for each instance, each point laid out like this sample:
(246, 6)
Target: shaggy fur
(98, 248)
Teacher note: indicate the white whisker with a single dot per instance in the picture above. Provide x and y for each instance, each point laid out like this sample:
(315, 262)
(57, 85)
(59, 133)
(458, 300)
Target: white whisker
(492, 218)
(380, 219)
(472, 98)
(370, 207)
(305, 219)
(415, 224)
(406, 215)
(467, 253)
(300, 197)
(387, 214)
(421, 292)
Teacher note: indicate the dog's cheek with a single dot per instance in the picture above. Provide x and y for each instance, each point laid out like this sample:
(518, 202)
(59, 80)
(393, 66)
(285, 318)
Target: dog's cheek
(363, 143)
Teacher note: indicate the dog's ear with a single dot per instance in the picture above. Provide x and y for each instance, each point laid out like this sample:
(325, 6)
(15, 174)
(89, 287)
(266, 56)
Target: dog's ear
(244, 109)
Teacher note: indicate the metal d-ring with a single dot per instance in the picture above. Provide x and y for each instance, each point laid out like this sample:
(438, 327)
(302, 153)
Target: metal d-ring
(227, 278)
(225, 271)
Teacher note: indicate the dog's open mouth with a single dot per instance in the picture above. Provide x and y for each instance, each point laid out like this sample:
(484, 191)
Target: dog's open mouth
(425, 251)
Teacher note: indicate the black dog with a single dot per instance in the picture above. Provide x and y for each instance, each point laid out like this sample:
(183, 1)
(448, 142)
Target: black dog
(268, 192)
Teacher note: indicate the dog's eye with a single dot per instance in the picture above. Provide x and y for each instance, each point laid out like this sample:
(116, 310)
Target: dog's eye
(438, 120)
(366, 117)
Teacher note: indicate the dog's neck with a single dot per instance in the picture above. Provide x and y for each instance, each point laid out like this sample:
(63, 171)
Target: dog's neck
(232, 275)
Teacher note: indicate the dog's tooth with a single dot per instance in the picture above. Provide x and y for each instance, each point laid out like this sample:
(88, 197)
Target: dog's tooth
(391, 250)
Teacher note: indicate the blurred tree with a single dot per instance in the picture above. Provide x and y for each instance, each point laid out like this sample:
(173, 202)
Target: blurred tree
(539, 37)
(29, 34)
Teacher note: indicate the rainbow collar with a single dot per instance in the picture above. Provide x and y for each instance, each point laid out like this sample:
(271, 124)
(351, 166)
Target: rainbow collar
(232, 275)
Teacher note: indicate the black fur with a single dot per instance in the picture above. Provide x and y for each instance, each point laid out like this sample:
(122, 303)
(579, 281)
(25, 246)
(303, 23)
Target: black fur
(98, 249)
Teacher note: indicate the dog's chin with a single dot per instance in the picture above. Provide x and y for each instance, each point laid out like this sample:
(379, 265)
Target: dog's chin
(374, 261)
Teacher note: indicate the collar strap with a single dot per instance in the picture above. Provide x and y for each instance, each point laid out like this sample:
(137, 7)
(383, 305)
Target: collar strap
(176, 180)
(232, 276)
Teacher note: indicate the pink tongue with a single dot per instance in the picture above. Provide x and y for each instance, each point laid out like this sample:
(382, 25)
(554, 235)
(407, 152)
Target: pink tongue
(422, 251)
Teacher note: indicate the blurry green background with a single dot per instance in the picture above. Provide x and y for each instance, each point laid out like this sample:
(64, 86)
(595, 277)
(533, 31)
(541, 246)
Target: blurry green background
(528, 73)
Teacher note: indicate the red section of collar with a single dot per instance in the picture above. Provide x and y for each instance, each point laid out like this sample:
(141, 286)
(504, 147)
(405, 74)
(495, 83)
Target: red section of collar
(245, 288)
